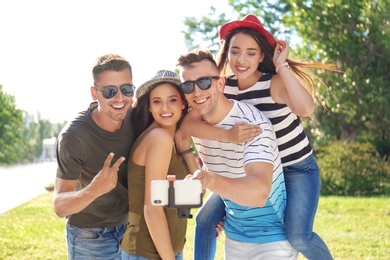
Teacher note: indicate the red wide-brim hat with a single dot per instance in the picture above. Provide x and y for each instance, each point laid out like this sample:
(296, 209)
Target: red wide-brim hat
(250, 21)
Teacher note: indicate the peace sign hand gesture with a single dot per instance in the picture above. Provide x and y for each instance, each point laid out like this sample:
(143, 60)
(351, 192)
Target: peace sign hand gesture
(107, 177)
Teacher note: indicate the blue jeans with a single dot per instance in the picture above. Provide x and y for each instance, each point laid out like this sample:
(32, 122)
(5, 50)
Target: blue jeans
(94, 243)
(303, 191)
(126, 256)
(207, 218)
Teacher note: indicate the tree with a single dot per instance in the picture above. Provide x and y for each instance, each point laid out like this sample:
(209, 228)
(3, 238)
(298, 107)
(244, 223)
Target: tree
(203, 33)
(355, 35)
(21, 136)
(35, 132)
(12, 143)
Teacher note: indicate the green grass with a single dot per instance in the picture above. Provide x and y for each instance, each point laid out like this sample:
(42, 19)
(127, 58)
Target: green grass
(353, 228)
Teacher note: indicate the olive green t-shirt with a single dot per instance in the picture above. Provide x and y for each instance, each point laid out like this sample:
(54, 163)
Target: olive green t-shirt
(137, 239)
(82, 148)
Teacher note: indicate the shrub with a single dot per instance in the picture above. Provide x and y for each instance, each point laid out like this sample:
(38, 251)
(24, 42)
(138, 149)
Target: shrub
(353, 169)
(383, 147)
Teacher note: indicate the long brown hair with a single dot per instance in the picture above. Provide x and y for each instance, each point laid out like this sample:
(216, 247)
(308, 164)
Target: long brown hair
(267, 65)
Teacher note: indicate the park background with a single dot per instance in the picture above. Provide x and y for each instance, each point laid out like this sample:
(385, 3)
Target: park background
(47, 49)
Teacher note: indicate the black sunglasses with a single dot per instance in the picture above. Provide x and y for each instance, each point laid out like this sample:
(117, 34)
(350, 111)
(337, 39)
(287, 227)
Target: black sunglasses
(110, 91)
(203, 83)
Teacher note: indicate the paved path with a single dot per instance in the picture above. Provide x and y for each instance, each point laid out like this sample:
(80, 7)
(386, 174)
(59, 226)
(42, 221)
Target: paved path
(20, 184)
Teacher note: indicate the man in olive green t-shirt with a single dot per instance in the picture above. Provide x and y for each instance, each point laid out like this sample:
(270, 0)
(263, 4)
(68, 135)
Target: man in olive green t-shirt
(91, 183)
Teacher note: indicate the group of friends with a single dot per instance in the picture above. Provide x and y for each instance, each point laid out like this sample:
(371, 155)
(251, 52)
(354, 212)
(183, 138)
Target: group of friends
(242, 111)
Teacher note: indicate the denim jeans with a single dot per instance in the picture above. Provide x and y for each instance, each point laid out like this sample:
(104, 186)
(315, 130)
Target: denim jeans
(303, 192)
(126, 256)
(207, 218)
(94, 243)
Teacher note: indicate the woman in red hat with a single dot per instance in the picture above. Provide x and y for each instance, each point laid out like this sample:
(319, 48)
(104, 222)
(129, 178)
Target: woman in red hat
(258, 72)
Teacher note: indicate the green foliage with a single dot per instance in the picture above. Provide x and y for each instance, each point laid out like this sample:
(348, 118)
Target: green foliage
(353, 169)
(56, 128)
(383, 147)
(11, 130)
(203, 33)
(21, 136)
(269, 14)
(35, 132)
(355, 35)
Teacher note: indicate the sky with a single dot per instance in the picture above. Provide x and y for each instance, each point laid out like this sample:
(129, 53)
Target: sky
(47, 47)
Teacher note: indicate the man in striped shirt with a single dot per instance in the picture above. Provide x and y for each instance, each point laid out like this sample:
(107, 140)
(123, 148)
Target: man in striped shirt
(248, 176)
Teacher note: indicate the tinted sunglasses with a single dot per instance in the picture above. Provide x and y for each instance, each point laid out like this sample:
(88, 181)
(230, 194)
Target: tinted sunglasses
(110, 91)
(203, 83)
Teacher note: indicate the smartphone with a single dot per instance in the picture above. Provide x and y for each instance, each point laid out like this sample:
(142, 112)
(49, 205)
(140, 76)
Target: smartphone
(186, 192)
(159, 193)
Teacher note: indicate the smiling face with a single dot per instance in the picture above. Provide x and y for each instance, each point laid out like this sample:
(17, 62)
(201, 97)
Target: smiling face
(244, 55)
(166, 105)
(112, 110)
(203, 101)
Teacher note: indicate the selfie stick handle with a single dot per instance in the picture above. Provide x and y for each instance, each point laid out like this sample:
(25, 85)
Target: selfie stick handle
(171, 191)
(182, 211)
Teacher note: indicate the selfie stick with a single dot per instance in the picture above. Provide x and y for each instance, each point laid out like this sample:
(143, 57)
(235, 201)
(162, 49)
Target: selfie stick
(183, 211)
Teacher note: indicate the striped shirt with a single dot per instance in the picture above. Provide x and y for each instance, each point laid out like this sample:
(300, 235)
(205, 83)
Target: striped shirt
(293, 143)
(242, 223)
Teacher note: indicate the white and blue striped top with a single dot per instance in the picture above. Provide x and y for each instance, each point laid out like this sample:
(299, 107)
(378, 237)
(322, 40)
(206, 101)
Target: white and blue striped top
(242, 223)
(294, 146)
